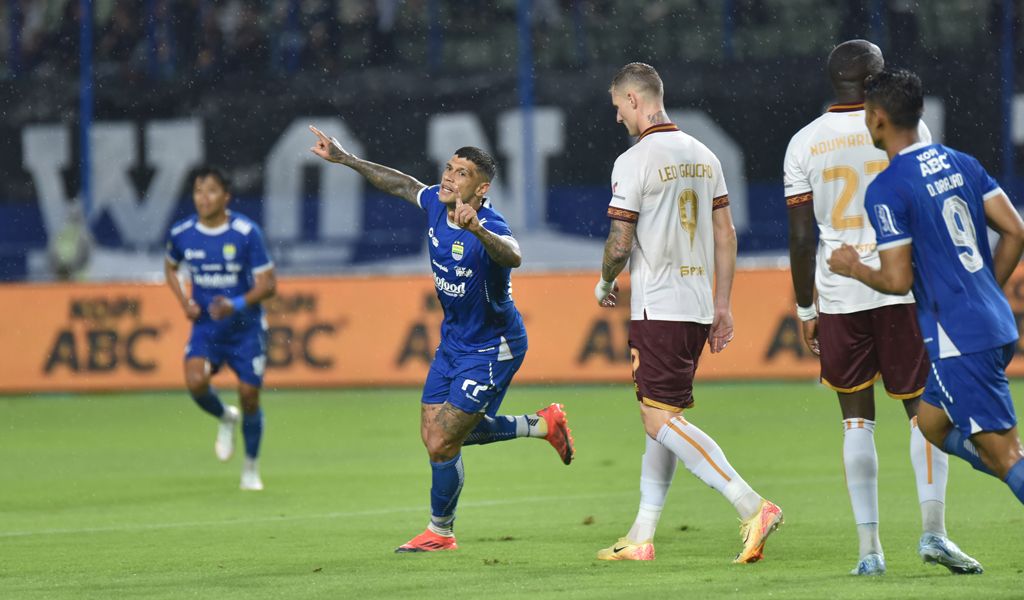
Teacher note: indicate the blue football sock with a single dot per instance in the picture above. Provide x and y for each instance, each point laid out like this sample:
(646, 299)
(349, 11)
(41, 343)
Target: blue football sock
(500, 429)
(958, 445)
(210, 403)
(252, 431)
(1015, 479)
(444, 493)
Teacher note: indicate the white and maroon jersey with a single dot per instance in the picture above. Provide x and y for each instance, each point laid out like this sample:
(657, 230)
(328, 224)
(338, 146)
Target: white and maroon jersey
(668, 183)
(830, 162)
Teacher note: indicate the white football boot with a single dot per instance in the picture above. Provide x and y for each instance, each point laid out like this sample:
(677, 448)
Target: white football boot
(224, 447)
(251, 476)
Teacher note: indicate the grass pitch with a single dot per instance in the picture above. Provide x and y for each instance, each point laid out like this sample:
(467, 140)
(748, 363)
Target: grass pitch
(120, 496)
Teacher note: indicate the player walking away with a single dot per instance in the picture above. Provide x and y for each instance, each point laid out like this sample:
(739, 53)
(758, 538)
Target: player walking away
(483, 340)
(668, 193)
(860, 334)
(231, 273)
(930, 210)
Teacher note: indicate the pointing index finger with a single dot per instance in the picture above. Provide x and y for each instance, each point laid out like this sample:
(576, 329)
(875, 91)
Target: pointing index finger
(318, 133)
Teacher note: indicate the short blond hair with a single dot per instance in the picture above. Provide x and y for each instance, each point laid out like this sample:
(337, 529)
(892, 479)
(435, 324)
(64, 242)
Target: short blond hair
(641, 75)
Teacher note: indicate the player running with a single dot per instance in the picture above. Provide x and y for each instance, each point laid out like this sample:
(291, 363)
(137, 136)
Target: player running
(483, 340)
(930, 209)
(860, 334)
(670, 218)
(231, 273)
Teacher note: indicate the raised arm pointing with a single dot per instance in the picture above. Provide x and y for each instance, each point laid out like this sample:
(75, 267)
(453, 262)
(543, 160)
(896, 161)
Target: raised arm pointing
(383, 178)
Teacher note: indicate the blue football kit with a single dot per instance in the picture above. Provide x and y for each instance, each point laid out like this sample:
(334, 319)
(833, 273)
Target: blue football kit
(223, 261)
(934, 197)
(483, 340)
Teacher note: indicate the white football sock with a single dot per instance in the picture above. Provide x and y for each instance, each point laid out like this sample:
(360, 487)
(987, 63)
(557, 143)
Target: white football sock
(931, 470)
(702, 456)
(861, 463)
(529, 425)
(657, 468)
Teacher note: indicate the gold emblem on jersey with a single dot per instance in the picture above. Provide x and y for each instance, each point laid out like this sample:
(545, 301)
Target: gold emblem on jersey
(691, 271)
(688, 213)
(230, 251)
(457, 250)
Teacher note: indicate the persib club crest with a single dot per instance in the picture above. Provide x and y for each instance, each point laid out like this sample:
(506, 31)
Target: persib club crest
(230, 251)
(457, 250)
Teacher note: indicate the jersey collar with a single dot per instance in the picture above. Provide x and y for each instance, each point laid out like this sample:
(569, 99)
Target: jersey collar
(214, 230)
(913, 148)
(841, 108)
(657, 129)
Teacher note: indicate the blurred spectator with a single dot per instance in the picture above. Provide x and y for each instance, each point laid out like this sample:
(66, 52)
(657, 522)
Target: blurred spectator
(248, 45)
(382, 37)
(118, 42)
(903, 32)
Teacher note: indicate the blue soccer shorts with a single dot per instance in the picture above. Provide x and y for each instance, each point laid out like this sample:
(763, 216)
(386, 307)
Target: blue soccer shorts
(473, 383)
(973, 390)
(243, 349)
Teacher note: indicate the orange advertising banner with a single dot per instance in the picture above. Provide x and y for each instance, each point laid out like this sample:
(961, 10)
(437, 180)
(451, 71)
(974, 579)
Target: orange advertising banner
(354, 331)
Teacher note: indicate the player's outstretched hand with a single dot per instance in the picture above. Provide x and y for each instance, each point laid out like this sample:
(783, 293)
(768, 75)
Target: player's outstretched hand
(810, 330)
(328, 148)
(605, 292)
(220, 308)
(721, 331)
(843, 260)
(192, 309)
(465, 215)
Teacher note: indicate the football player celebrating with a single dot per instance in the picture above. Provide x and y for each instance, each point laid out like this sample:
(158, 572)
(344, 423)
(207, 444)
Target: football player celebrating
(483, 340)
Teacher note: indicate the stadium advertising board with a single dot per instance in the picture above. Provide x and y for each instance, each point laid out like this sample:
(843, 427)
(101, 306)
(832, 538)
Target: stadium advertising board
(353, 331)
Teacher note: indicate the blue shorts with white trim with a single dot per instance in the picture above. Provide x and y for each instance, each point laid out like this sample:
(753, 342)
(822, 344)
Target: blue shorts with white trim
(473, 383)
(973, 390)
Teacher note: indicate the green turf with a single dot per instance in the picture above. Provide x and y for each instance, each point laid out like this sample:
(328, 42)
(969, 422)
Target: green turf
(120, 496)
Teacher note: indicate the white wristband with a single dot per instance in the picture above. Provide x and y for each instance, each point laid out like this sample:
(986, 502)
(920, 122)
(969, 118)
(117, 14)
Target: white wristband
(603, 288)
(806, 313)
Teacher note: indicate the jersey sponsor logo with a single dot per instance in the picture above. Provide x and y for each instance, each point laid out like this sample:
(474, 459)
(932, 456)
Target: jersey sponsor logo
(433, 240)
(448, 288)
(463, 272)
(457, 250)
(932, 162)
(691, 271)
(215, 280)
(230, 251)
(195, 253)
(439, 265)
(886, 222)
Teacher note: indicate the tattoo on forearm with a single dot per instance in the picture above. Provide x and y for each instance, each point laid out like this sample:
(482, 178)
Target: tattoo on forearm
(502, 250)
(386, 179)
(617, 249)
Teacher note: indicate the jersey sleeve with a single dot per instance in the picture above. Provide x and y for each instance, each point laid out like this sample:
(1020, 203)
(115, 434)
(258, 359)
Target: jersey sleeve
(796, 181)
(496, 226)
(427, 198)
(259, 258)
(626, 188)
(987, 184)
(173, 249)
(720, 199)
(888, 212)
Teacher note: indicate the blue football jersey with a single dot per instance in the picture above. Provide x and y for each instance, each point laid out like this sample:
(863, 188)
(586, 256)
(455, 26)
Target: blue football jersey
(935, 196)
(221, 260)
(475, 292)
